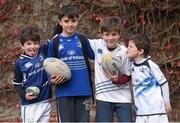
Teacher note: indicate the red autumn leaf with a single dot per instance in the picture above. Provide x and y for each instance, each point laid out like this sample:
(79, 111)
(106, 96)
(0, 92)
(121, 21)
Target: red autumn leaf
(2, 2)
(16, 30)
(168, 46)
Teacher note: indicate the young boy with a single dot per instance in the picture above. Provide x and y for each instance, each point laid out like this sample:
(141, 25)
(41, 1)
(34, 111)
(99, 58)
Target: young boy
(150, 87)
(73, 96)
(29, 72)
(112, 91)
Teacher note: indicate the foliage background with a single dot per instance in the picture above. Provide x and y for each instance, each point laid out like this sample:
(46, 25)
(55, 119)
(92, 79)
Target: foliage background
(159, 19)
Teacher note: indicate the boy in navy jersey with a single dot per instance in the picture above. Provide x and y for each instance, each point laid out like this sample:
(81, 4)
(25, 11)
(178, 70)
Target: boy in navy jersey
(29, 72)
(150, 87)
(73, 96)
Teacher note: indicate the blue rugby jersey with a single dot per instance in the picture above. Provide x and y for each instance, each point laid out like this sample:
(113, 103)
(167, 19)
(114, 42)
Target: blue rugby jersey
(70, 51)
(30, 72)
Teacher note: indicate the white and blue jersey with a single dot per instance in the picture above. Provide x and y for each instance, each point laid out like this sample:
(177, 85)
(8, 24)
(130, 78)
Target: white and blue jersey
(147, 79)
(105, 89)
(70, 51)
(29, 71)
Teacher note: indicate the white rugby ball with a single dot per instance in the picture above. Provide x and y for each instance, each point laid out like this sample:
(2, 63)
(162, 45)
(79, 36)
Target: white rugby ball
(110, 64)
(34, 90)
(54, 66)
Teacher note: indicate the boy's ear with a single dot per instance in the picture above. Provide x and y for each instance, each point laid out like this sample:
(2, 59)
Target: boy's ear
(141, 51)
(59, 22)
(22, 47)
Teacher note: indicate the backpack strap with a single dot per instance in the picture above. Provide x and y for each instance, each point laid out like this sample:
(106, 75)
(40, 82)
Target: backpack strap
(85, 53)
(56, 45)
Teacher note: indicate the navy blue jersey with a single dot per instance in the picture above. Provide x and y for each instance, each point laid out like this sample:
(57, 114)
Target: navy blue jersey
(70, 51)
(29, 71)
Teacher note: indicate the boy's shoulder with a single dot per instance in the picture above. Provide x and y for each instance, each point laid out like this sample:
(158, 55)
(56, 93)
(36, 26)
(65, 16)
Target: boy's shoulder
(96, 39)
(122, 48)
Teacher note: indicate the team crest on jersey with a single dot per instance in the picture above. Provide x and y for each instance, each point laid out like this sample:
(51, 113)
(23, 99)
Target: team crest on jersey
(100, 51)
(79, 44)
(37, 65)
(132, 69)
(120, 59)
(41, 58)
(28, 65)
(61, 46)
(142, 70)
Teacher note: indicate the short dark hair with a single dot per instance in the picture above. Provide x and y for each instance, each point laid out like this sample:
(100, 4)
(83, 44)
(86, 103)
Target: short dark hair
(142, 42)
(29, 33)
(111, 23)
(68, 10)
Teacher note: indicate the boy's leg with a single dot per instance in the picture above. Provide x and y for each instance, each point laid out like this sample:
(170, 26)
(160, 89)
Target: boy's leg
(82, 109)
(34, 112)
(104, 111)
(123, 112)
(46, 107)
(65, 107)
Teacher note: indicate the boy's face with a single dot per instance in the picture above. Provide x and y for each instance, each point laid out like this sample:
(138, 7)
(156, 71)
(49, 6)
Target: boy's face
(111, 38)
(133, 51)
(69, 25)
(31, 48)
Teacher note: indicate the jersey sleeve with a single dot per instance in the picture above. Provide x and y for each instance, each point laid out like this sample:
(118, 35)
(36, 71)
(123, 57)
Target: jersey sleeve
(165, 92)
(50, 52)
(157, 73)
(18, 76)
(90, 50)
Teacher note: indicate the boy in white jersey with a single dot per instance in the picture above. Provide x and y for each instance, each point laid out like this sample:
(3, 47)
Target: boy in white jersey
(150, 87)
(112, 92)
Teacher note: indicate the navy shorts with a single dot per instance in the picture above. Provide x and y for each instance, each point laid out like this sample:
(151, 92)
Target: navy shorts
(74, 109)
(105, 111)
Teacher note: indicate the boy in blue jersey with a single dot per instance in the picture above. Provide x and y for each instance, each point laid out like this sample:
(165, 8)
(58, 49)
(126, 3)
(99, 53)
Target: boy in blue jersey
(73, 96)
(113, 94)
(150, 87)
(29, 72)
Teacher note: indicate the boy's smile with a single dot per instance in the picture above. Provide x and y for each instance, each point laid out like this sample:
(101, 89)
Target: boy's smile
(69, 25)
(31, 48)
(111, 38)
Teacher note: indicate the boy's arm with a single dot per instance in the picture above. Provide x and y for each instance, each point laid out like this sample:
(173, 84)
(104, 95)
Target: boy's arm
(19, 89)
(165, 93)
(118, 78)
(90, 50)
(17, 81)
(122, 79)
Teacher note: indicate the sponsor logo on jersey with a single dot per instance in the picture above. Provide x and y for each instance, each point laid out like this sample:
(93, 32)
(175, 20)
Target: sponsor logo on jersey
(28, 65)
(100, 51)
(71, 52)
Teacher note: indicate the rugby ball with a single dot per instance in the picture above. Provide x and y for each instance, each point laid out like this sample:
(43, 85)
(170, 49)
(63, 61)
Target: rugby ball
(54, 66)
(34, 90)
(110, 64)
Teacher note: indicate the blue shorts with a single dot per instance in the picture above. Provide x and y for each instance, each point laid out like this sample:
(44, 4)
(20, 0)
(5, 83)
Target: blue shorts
(74, 109)
(105, 111)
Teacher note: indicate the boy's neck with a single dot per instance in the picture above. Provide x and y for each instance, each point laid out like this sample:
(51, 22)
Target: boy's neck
(139, 59)
(111, 49)
(67, 35)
